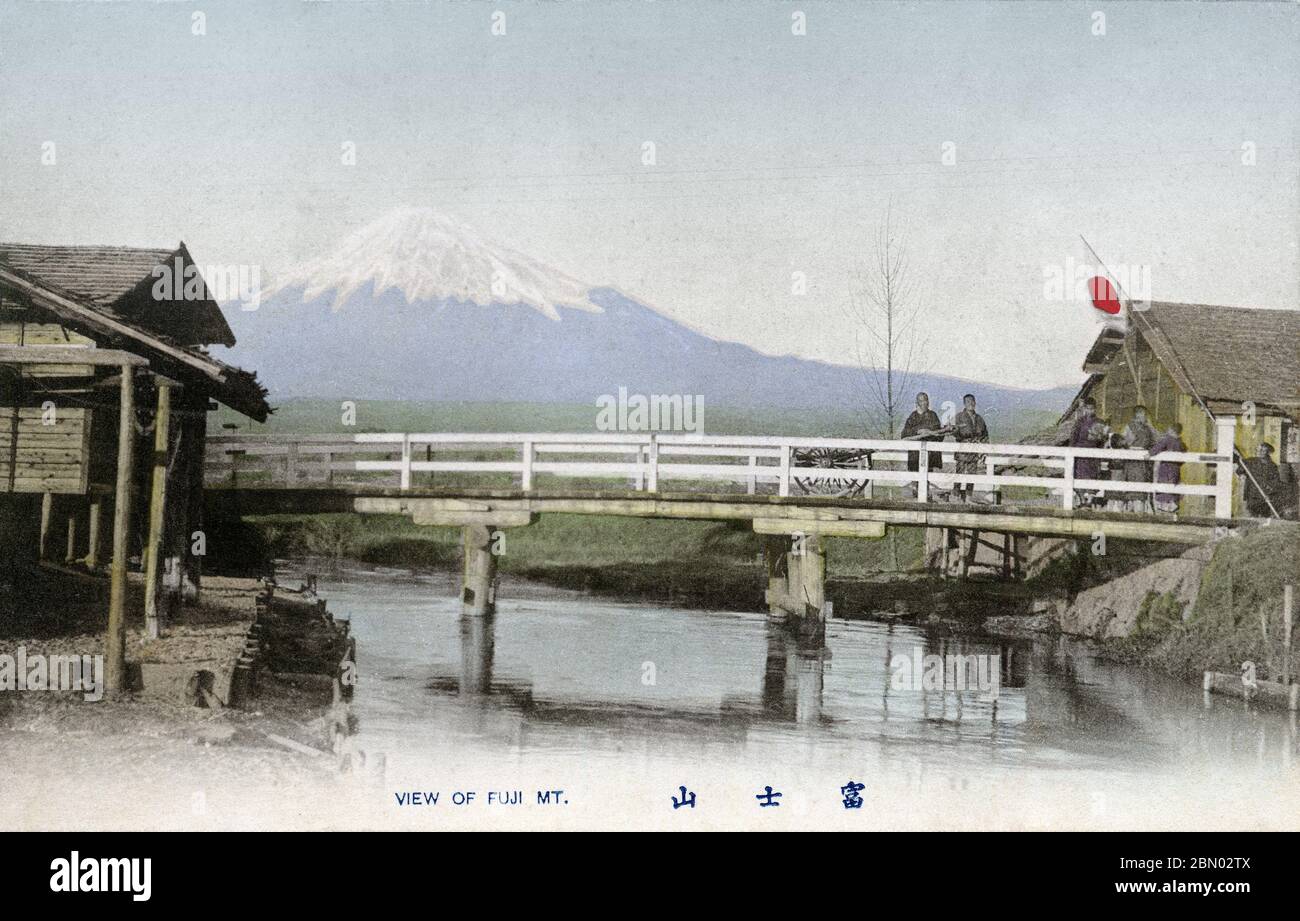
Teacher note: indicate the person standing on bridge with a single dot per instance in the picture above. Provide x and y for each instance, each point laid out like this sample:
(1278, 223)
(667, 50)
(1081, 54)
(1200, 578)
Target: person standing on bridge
(1263, 482)
(1088, 432)
(969, 427)
(1169, 471)
(922, 425)
(1139, 435)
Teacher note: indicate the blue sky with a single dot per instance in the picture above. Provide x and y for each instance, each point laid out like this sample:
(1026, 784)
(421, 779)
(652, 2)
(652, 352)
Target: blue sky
(776, 153)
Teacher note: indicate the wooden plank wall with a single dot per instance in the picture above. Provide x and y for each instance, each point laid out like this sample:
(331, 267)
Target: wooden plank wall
(13, 332)
(40, 453)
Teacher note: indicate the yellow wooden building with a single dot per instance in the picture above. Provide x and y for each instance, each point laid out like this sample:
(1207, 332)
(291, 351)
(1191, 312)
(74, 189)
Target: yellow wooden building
(1241, 362)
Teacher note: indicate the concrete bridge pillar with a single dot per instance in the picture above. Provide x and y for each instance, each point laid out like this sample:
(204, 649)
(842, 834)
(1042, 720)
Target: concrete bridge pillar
(478, 593)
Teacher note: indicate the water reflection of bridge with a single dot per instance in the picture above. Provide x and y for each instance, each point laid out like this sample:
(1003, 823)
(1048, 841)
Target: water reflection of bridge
(1052, 693)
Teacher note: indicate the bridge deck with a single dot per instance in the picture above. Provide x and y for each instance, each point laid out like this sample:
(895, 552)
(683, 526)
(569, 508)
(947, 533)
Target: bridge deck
(827, 515)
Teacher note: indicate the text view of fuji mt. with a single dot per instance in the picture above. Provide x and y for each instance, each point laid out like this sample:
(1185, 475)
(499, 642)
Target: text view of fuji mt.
(418, 306)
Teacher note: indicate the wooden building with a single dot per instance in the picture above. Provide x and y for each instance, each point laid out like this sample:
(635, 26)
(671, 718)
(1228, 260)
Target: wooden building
(105, 389)
(1239, 362)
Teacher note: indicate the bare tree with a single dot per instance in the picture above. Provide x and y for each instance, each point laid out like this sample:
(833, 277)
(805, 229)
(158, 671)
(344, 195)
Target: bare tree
(885, 309)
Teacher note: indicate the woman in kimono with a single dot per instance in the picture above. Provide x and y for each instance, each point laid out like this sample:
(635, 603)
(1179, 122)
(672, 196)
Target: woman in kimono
(1087, 433)
(1139, 435)
(1169, 471)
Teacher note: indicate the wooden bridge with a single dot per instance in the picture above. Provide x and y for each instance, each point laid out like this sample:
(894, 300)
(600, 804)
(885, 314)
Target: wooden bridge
(797, 491)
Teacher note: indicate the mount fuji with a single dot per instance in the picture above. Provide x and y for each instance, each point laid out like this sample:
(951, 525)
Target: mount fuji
(418, 306)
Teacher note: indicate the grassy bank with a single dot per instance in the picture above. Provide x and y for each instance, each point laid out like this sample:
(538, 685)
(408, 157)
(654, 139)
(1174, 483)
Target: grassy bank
(692, 562)
(1237, 616)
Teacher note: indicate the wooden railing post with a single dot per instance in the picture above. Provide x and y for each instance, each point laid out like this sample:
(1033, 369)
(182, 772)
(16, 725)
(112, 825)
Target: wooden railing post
(995, 490)
(652, 474)
(291, 465)
(1226, 432)
(527, 480)
(922, 473)
(784, 483)
(406, 462)
(1067, 490)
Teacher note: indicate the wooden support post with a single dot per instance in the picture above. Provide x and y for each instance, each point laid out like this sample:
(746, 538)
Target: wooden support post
(808, 575)
(47, 514)
(195, 435)
(70, 554)
(157, 507)
(478, 593)
(405, 477)
(796, 579)
(972, 550)
(652, 479)
(92, 533)
(115, 641)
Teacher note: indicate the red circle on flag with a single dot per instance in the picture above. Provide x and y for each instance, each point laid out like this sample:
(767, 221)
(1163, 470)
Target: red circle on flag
(1104, 296)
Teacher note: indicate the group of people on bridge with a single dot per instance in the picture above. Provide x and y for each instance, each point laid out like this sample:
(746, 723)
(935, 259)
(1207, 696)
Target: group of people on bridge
(1138, 434)
(966, 426)
(1265, 492)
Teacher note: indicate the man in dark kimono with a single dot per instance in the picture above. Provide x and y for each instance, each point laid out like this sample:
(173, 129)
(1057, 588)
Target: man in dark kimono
(969, 427)
(1139, 435)
(1264, 480)
(922, 425)
(1169, 471)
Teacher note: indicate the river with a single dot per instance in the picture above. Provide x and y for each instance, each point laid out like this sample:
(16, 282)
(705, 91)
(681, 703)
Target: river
(621, 705)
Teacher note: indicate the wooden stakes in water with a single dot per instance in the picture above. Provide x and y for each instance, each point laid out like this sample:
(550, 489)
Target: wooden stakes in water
(1284, 693)
(1288, 599)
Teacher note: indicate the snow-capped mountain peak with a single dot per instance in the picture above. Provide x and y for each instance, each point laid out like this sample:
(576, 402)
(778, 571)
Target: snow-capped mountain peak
(428, 256)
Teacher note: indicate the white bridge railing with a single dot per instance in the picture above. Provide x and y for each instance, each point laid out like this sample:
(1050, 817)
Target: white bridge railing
(652, 462)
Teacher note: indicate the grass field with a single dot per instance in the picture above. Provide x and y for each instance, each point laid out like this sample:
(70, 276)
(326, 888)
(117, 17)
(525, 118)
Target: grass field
(317, 417)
